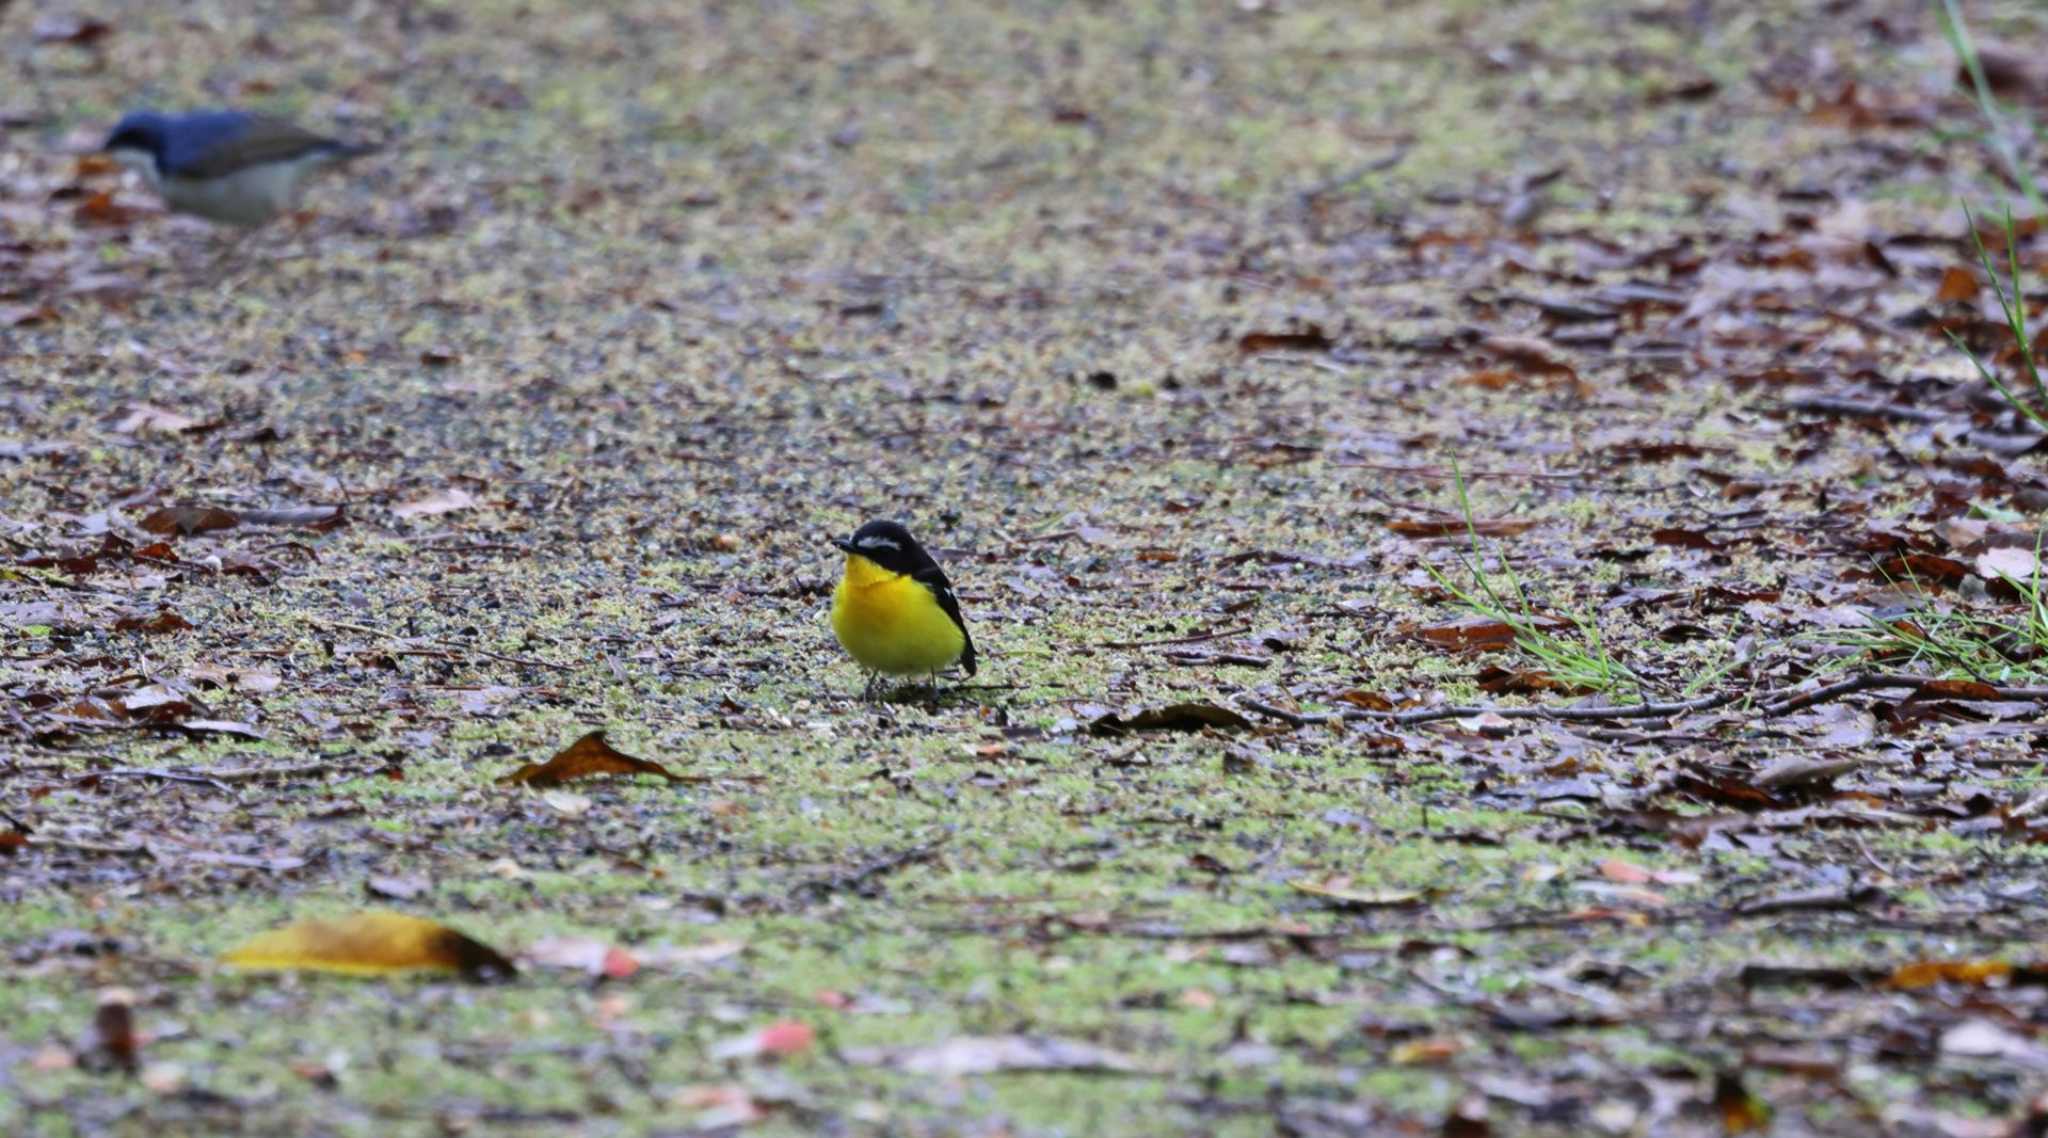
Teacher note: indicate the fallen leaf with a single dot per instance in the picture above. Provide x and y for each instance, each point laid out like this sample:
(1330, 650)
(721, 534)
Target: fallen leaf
(311, 517)
(25, 315)
(164, 621)
(1520, 681)
(396, 888)
(149, 417)
(1625, 872)
(218, 675)
(1531, 354)
(441, 502)
(993, 1054)
(371, 943)
(114, 1028)
(1172, 717)
(219, 727)
(1446, 526)
(79, 31)
(1927, 973)
(585, 758)
(1982, 1039)
(2010, 562)
(1425, 1052)
(1802, 772)
(101, 209)
(1740, 1111)
(1362, 898)
(188, 519)
(1306, 339)
(566, 803)
(1958, 283)
(1478, 633)
(720, 1108)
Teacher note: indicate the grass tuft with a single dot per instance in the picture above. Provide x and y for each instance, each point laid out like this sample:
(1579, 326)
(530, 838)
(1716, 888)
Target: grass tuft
(1578, 660)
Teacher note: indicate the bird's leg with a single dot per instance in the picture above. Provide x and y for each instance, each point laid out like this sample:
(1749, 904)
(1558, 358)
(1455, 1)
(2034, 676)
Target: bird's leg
(867, 691)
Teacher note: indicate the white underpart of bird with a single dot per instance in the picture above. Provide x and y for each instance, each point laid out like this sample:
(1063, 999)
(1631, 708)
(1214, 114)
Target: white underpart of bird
(250, 196)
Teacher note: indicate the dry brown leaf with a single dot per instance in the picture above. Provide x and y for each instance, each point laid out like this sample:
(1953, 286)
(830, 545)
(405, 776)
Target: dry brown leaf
(1447, 526)
(102, 209)
(585, 758)
(1309, 338)
(164, 621)
(1958, 283)
(1190, 716)
(188, 519)
(371, 943)
(1740, 1111)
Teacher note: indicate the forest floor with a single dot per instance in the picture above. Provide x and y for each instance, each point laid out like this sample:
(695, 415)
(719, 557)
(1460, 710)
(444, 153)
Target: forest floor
(1679, 777)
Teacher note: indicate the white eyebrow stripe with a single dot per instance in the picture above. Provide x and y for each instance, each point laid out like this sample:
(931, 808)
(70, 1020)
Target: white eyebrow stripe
(872, 542)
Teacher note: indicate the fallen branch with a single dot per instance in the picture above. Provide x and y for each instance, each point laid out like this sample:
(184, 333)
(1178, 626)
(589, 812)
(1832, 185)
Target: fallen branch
(1432, 714)
(820, 888)
(1979, 691)
(422, 644)
(1873, 682)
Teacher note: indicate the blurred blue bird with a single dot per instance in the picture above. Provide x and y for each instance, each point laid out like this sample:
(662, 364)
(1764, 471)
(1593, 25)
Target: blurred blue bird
(232, 167)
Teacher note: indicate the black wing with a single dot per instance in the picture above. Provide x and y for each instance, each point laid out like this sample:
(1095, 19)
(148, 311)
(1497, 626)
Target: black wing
(934, 578)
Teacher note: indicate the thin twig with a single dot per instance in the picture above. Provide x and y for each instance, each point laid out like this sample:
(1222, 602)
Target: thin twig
(156, 773)
(1432, 714)
(425, 644)
(820, 888)
(1869, 682)
(1195, 639)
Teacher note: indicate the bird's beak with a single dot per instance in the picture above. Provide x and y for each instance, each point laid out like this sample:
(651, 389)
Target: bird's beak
(843, 544)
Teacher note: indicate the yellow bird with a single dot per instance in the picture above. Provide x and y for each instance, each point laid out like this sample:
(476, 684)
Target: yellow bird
(894, 610)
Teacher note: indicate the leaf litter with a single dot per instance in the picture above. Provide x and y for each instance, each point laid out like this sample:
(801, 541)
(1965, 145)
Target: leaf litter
(1157, 364)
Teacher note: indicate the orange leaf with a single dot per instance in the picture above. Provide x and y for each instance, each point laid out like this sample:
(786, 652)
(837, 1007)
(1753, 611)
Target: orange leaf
(1958, 283)
(371, 943)
(1926, 973)
(1425, 1052)
(587, 756)
(1741, 1111)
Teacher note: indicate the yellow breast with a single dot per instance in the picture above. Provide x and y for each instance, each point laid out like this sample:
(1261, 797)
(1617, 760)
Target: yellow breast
(891, 623)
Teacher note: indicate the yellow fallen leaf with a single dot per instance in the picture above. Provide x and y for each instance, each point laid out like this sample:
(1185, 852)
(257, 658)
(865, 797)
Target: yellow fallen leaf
(1425, 1052)
(371, 943)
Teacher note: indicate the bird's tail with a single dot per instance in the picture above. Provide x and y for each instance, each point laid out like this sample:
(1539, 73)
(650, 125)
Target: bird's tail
(342, 152)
